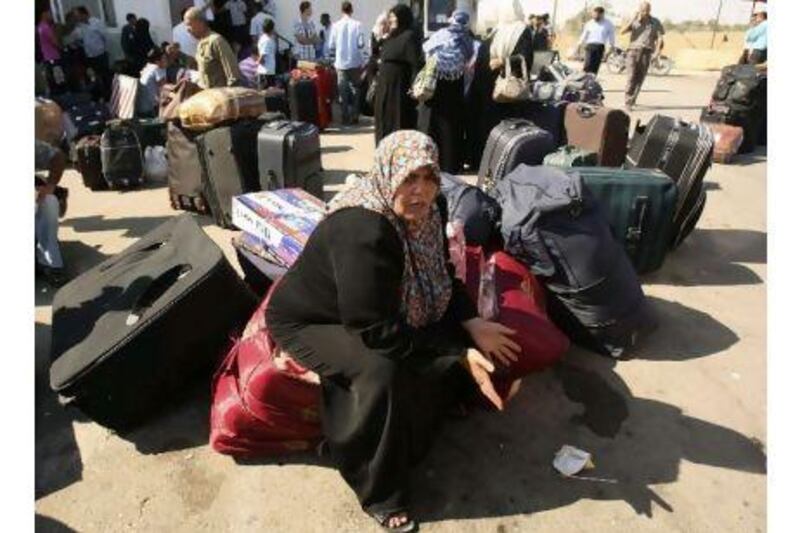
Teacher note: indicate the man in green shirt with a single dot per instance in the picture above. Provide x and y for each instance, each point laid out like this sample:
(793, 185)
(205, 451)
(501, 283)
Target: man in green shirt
(216, 61)
(647, 35)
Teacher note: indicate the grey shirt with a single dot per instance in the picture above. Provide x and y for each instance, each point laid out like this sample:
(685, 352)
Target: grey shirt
(644, 35)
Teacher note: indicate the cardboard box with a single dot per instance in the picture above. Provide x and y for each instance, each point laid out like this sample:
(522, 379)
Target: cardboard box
(281, 221)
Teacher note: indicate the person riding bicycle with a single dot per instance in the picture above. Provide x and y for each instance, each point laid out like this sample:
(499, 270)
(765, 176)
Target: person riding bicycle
(647, 35)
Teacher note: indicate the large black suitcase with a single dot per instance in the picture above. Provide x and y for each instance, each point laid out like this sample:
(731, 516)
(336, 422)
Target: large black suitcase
(479, 212)
(552, 223)
(289, 155)
(740, 99)
(87, 118)
(229, 158)
(550, 117)
(185, 171)
(133, 331)
(639, 205)
(89, 163)
(511, 143)
(303, 105)
(683, 151)
(121, 154)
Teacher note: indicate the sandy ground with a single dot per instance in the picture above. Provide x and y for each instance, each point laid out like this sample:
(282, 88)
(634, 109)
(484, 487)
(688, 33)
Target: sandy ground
(680, 429)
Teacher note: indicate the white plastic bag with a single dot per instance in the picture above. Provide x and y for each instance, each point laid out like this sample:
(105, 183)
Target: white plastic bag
(156, 165)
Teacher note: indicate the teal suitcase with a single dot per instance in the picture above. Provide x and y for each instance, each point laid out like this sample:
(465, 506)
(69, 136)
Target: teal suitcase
(571, 156)
(640, 205)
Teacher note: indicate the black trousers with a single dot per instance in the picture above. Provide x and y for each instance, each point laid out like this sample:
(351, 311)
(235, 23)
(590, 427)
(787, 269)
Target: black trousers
(379, 416)
(593, 57)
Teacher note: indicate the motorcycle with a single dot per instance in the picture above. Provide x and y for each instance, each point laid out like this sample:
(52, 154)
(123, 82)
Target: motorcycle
(660, 65)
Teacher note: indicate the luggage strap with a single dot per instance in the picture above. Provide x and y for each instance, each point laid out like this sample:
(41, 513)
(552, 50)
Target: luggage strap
(638, 218)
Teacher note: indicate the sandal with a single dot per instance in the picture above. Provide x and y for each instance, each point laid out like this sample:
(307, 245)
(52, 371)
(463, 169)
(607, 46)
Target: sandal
(384, 518)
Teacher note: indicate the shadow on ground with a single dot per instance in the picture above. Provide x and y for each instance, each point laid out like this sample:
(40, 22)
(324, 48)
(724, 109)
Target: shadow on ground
(134, 227)
(714, 257)
(45, 524)
(495, 465)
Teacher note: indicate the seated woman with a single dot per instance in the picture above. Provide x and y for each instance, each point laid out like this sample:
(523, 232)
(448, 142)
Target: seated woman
(372, 306)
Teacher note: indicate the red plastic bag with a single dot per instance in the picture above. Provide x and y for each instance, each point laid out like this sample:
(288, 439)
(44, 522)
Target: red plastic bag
(263, 402)
(521, 307)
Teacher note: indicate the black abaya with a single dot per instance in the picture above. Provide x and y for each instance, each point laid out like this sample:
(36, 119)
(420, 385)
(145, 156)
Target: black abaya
(443, 118)
(401, 59)
(385, 386)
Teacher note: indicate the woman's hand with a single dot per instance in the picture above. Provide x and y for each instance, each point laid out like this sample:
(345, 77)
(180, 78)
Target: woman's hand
(480, 369)
(493, 340)
(495, 63)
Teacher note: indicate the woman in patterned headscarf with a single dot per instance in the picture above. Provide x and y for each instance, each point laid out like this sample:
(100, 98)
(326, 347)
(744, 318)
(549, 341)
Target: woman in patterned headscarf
(372, 306)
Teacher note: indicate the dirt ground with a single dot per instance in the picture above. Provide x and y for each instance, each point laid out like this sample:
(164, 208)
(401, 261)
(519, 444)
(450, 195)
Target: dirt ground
(680, 430)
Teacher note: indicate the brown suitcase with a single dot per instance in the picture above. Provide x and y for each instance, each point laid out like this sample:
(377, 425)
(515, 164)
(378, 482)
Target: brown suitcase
(598, 129)
(727, 140)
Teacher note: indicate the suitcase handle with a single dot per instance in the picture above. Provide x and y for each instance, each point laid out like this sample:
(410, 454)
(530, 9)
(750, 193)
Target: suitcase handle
(638, 219)
(155, 290)
(586, 111)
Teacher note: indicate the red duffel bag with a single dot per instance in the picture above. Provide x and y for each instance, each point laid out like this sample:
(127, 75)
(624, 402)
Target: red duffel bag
(263, 402)
(521, 307)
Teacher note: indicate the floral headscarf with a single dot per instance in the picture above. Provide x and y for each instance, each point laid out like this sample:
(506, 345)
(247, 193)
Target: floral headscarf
(427, 286)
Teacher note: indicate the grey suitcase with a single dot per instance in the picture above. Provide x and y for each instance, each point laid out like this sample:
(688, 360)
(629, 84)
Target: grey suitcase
(185, 171)
(511, 143)
(289, 155)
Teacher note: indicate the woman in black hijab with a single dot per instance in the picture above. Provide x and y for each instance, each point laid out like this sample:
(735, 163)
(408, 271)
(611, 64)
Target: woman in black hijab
(401, 58)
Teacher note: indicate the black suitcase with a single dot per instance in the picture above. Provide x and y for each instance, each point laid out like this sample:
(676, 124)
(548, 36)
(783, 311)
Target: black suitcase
(229, 158)
(133, 331)
(511, 143)
(88, 119)
(69, 99)
(89, 163)
(185, 171)
(303, 105)
(552, 223)
(121, 154)
(289, 155)
(639, 205)
(740, 99)
(550, 117)
(276, 101)
(683, 151)
(479, 212)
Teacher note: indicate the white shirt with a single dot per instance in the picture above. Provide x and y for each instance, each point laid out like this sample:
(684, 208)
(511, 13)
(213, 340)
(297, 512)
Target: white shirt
(94, 37)
(266, 55)
(598, 33)
(346, 42)
(184, 39)
(150, 80)
(238, 11)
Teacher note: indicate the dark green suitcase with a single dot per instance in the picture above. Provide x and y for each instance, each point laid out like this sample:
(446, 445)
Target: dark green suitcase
(571, 156)
(640, 206)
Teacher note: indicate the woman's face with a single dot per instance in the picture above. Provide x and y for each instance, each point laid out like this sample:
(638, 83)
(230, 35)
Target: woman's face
(392, 22)
(415, 196)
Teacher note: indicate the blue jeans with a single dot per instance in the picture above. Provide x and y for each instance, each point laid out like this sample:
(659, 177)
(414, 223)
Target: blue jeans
(48, 252)
(349, 82)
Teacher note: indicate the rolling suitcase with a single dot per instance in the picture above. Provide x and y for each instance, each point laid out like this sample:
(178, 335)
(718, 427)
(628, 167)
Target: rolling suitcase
(727, 141)
(571, 156)
(553, 224)
(303, 101)
(550, 117)
(133, 331)
(683, 151)
(598, 129)
(275, 101)
(87, 119)
(229, 158)
(324, 79)
(89, 163)
(121, 155)
(639, 205)
(185, 171)
(750, 122)
(511, 143)
(289, 155)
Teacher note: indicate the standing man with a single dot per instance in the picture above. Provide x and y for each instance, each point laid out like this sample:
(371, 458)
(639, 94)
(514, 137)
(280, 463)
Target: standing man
(216, 62)
(596, 33)
(347, 45)
(239, 29)
(539, 33)
(181, 36)
(324, 36)
(305, 33)
(128, 43)
(50, 47)
(647, 35)
(95, 45)
(755, 40)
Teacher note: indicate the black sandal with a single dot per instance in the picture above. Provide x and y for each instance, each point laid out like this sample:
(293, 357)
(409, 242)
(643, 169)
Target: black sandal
(384, 518)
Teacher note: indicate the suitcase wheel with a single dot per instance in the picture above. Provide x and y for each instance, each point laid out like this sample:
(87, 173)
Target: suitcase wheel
(199, 204)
